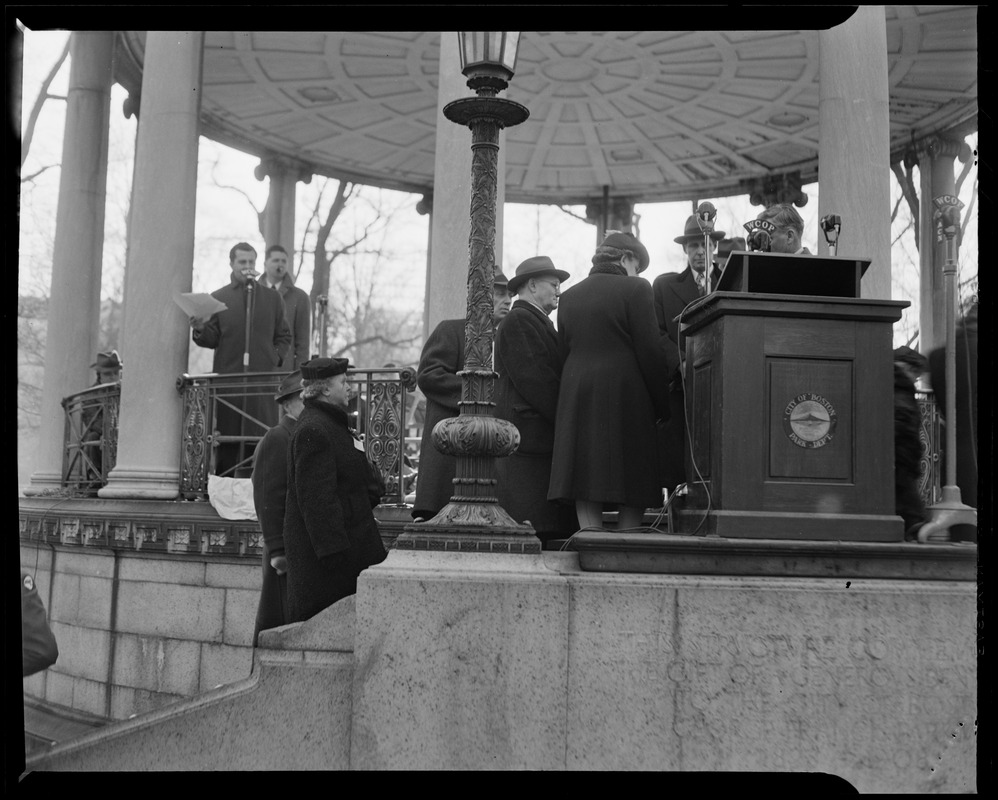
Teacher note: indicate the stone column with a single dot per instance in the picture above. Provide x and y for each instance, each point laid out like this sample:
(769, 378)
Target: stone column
(936, 177)
(854, 148)
(450, 223)
(279, 213)
(74, 301)
(160, 264)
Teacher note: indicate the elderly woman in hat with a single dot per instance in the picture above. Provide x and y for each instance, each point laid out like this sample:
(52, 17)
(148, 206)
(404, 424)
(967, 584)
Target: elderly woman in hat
(330, 534)
(673, 292)
(612, 389)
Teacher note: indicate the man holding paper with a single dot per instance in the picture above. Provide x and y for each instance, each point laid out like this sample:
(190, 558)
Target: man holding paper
(250, 334)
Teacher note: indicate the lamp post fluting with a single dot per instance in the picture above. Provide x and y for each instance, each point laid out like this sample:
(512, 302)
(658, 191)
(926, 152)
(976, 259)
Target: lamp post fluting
(950, 510)
(473, 519)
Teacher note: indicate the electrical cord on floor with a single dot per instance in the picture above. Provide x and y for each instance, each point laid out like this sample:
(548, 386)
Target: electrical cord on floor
(689, 436)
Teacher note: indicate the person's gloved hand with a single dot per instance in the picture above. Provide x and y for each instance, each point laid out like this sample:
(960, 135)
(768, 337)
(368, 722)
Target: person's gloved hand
(280, 564)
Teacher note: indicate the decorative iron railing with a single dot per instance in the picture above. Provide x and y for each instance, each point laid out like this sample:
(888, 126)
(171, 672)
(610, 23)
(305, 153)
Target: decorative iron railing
(930, 435)
(379, 406)
(379, 399)
(91, 437)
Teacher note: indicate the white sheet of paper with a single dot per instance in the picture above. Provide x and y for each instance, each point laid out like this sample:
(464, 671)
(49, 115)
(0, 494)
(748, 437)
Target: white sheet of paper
(198, 305)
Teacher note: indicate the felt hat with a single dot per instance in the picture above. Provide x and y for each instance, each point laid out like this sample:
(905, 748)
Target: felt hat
(692, 232)
(628, 241)
(534, 268)
(499, 279)
(319, 368)
(108, 360)
(290, 386)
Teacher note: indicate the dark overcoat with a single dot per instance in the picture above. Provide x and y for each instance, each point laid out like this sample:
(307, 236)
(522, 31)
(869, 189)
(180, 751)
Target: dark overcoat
(330, 534)
(529, 368)
(613, 389)
(225, 333)
(298, 313)
(908, 503)
(674, 291)
(270, 487)
(442, 358)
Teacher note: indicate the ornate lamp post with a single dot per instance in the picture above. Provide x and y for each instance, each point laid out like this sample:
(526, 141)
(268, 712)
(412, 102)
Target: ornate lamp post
(473, 519)
(951, 509)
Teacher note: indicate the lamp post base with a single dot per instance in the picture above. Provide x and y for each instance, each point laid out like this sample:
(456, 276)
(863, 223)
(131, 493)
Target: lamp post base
(470, 527)
(945, 514)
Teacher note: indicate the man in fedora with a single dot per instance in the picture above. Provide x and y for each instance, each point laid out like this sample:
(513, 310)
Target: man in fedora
(108, 368)
(442, 358)
(673, 292)
(270, 486)
(529, 368)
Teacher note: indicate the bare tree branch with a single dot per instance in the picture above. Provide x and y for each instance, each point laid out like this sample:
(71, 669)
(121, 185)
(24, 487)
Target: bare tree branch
(963, 174)
(43, 95)
(907, 183)
(371, 339)
(969, 214)
(31, 178)
(571, 213)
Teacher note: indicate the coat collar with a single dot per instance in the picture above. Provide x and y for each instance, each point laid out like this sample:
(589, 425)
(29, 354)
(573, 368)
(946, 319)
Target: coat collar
(530, 307)
(334, 412)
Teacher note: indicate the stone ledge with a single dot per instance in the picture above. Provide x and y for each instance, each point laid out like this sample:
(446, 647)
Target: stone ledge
(684, 555)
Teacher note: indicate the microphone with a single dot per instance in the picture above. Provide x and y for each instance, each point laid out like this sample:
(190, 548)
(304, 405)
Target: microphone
(705, 215)
(831, 226)
(760, 235)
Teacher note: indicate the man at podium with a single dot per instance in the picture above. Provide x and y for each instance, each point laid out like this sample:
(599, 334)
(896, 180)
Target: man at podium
(673, 292)
(789, 229)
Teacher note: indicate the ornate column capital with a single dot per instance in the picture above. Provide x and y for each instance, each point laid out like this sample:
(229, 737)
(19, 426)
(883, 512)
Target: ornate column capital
(937, 147)
(273, 165)
(131, 105)
(773, 189)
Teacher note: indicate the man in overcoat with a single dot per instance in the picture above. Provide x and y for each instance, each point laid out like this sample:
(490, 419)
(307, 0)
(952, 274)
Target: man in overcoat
(529, 369)
(270, 487)
(297, 307)
(330, 533)
(673, 291)
(442, 358)
(267, 348)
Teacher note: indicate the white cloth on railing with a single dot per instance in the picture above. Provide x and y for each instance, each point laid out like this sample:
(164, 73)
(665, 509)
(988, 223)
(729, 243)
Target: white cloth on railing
(232, 498)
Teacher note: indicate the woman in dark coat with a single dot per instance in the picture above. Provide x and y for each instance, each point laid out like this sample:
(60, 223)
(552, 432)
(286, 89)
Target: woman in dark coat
(330, 534)
(613, 389)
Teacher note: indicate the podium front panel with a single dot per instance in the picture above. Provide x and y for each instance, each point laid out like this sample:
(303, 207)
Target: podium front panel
(791, 419)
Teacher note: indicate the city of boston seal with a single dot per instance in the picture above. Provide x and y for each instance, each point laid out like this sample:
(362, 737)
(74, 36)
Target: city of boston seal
(809, 420)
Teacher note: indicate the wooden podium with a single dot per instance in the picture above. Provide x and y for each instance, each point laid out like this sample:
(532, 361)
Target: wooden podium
(789, 403)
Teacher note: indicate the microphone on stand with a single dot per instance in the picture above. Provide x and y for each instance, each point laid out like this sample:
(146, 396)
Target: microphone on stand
(705, 216)
(760, 235)
(831, 226)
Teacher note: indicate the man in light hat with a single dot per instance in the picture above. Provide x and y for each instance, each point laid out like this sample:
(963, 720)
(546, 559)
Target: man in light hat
(440, 361)
(529, 368)
(330, 534)
(674, 291)
(270, 486)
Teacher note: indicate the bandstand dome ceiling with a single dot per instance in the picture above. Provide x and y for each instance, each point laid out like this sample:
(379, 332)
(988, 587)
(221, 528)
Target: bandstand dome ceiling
(652, 115)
